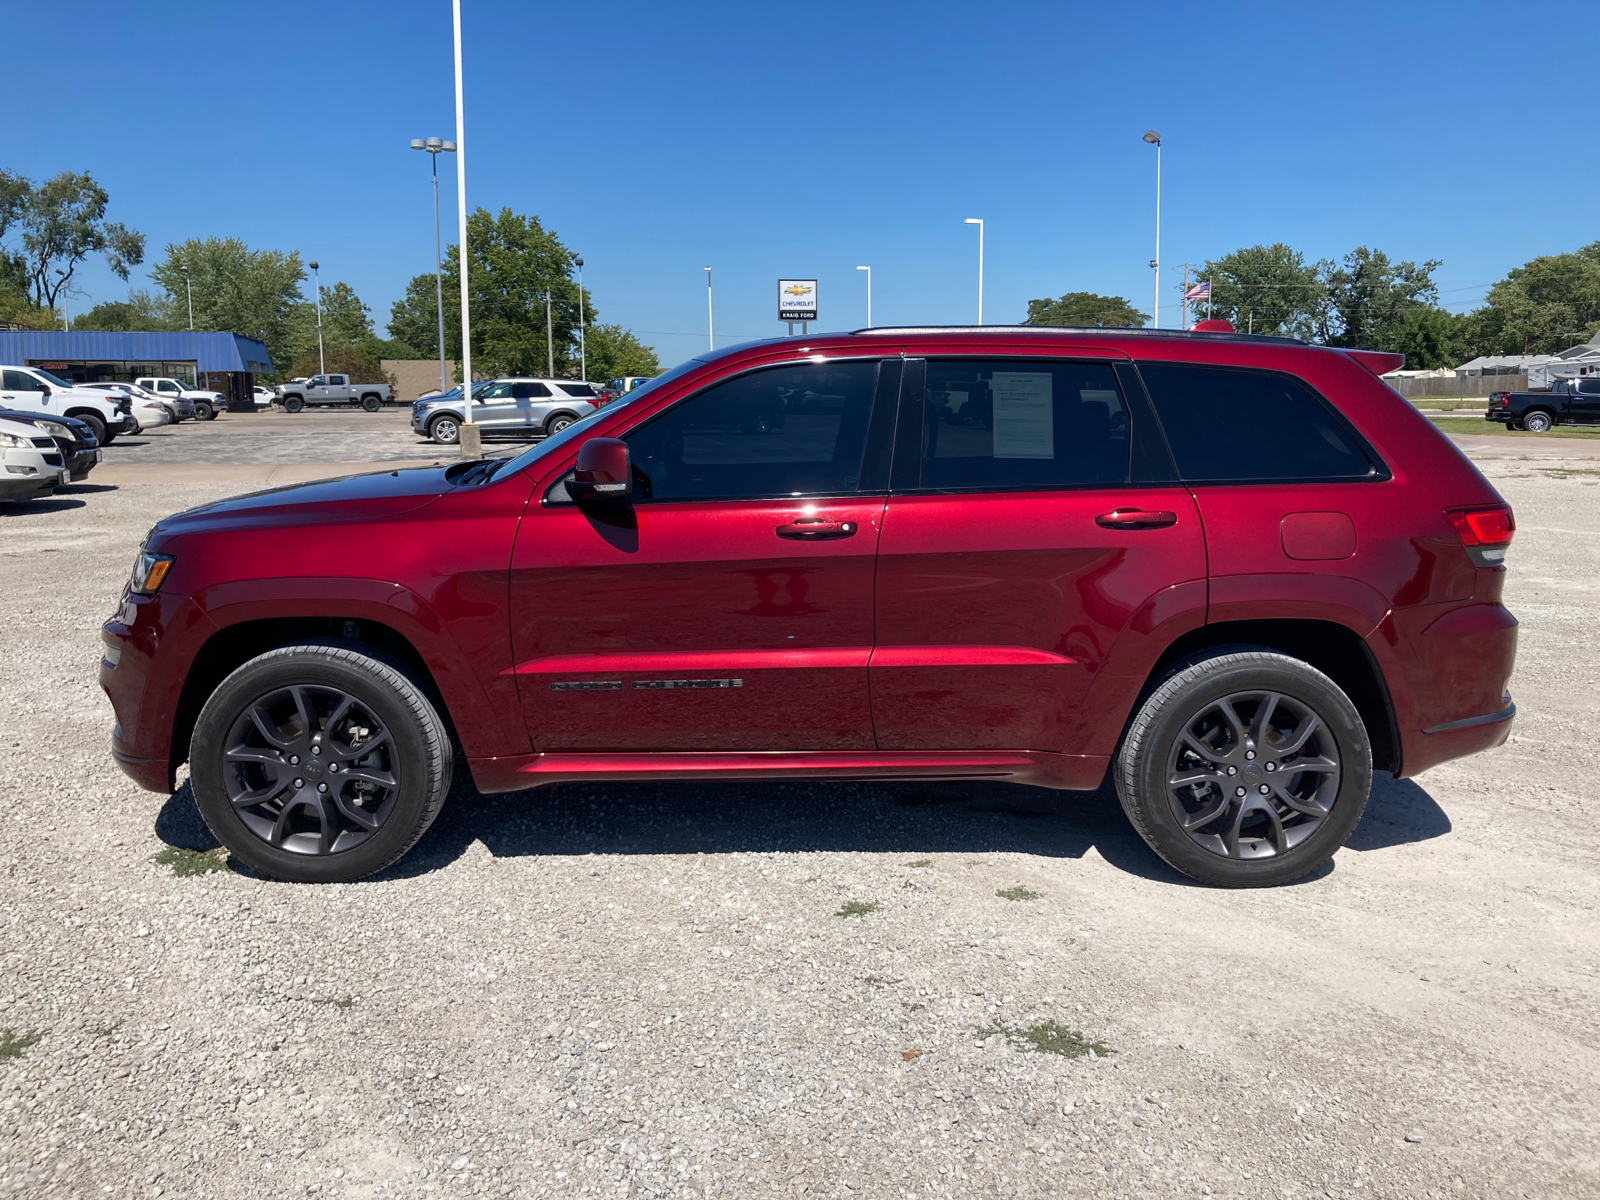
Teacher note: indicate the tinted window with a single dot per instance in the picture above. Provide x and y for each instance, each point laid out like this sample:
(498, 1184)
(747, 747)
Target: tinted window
(1589, 386)
(997, 424)
(581, 390)
(1223, 424)
(19, 381)
(529, 391)
(786, 431)
(495, 391)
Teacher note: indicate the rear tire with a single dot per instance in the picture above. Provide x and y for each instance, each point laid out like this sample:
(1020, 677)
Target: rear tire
(253, 739)
(371, 403)
(557, 423)
(1292, 732)
(1537, 422)
(293, 404)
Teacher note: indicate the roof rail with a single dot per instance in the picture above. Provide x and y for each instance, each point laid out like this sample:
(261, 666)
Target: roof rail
(1100, 330)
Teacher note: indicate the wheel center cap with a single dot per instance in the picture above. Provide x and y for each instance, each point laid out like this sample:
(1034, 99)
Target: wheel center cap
(1252, 770)
(311, 768)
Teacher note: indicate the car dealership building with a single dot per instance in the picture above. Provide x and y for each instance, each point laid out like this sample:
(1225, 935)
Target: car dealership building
(218, 362)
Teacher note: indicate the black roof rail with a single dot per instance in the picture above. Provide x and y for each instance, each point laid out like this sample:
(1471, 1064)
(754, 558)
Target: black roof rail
(1101, 330)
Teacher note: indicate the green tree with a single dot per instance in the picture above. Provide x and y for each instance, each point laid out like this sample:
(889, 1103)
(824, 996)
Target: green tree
(1431, 337)
(1369, 298)
(346, 360)
(1547, 304)
(63, 222)
(614, 352)
(237, 290)
(1266, 289)
(142, 311)
(1084, 308)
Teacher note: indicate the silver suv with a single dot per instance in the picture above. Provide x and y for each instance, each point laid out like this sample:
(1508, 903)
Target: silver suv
(524, 409)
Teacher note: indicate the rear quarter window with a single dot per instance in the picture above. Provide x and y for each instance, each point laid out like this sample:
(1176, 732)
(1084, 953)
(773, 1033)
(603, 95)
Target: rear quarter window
(1230, 424)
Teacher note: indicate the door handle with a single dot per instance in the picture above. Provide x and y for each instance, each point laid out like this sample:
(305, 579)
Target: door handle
(810, 529)
(1136, 518)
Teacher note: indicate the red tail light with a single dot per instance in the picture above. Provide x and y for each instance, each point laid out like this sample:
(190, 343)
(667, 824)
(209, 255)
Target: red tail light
(1484, 532)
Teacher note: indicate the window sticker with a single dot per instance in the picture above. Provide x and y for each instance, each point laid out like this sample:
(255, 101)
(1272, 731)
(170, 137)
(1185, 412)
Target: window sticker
(1024, 414)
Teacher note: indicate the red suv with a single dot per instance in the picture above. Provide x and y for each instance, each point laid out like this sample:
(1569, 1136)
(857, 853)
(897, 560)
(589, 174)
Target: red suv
(1238, 572)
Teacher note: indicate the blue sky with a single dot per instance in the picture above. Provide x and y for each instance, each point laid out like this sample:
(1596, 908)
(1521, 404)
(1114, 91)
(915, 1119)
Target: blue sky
(776, 140)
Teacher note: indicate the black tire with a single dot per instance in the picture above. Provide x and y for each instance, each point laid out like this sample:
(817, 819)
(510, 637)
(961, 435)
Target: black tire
(1272, 842)
(203, 411)
(1537, 422)
(93, 421)
(445, 429)
(759, 421)
(413, 752)
(293, 404)
(371, 403)
(558, 422)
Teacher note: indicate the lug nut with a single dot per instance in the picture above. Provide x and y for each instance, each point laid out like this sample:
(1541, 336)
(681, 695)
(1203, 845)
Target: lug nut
(299, 783)
(1249, 753)
(322, 787)
(1233, 770)
(1265, 790)
(1272, 766)
(294, 760)
(332, 767)
(316, 749)
(1237, 791)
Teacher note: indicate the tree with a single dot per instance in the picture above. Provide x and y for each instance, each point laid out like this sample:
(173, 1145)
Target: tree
(1545, 305)
(614, 352)
(1084, 308)
(141, 312)
(1266, 289)
(237, 290)
(1369, 298)
(1430, 337)
(63, 222)
(344, 360)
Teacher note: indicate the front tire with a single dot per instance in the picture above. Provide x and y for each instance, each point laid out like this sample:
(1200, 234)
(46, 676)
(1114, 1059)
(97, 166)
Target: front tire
(94, 423)
(1537, 422)
(293, 404)
(1246, 768)
(318, 763)
(203, 411)
(445, 430)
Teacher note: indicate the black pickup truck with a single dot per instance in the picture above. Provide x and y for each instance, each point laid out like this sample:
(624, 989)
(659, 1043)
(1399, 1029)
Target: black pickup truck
(1569, 402)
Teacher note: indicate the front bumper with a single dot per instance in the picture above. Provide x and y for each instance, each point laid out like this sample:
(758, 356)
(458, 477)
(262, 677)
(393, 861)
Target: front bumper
(81, 463)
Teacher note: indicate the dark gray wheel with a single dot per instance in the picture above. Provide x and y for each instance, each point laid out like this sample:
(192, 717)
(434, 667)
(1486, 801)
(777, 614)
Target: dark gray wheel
(1246, 768)
(319, 763)
(371, 403)
(1537, 422)
(446, 430)
(293, 404)
(557, 423)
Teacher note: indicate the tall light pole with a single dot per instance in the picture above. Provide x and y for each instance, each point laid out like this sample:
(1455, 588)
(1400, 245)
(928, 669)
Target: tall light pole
(979, 223)
(1154, 139)
(868, 270)
(436, 146)
(316, 287)
(549, 337)
(189, 291)
(711, 338)
(583, 349)
(461, 221)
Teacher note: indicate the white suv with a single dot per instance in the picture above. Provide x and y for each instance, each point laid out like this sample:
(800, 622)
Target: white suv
(206, 404)
(28, 389)
(525, 409)
(30, 461)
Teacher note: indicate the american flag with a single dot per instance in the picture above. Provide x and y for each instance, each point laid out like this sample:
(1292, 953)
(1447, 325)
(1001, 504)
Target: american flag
(1200, 291)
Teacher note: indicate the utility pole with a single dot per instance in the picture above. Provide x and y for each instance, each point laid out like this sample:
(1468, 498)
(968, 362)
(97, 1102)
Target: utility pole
(583, 349)
(549, 338)
(316, 285)
(1184, 311)
(461, 218)
(189, 291)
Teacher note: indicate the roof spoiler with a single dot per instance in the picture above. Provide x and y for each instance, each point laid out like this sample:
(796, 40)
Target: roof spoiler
(1379, 362)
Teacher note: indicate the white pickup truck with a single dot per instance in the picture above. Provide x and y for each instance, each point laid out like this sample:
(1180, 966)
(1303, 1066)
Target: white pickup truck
(28, 389)
(334, 389)
(206, 404)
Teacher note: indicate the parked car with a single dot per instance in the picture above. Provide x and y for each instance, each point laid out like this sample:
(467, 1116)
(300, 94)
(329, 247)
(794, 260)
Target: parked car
(264, 397)
(30, 461)
(80, 449)
(506, 408)
(178, 407)
(325, 390)
(206, 404)
(1569, 402)
(1238, 620)
(33, 390)
(625, 384)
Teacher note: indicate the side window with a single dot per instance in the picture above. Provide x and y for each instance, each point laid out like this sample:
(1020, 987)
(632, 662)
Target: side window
(314, 381)
(529, 391)
(337, 380)
(785, 431)
(496, 391)
(1227, 423)
(19, 381)
(999, 424)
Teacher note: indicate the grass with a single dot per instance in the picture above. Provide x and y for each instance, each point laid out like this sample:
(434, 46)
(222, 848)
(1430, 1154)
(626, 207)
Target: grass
(12, 1043)
(1494, 428)
(1019, 893)
(858, 908)
(192, 862)
(1567, 472)
(1469, 403)
(1047, 1037)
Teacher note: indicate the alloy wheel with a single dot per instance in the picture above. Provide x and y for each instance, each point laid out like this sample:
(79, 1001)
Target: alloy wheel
(1252, 775)
(311, 770)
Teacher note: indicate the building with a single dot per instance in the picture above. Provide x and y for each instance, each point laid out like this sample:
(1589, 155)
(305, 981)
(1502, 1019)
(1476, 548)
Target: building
(217, 362)
(1500, 364)
(1571, 363)
(415, 377)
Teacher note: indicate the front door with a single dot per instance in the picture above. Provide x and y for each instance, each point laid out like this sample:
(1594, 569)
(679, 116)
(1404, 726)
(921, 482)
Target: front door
(729, 605)
(1033, 515)
(21, 391)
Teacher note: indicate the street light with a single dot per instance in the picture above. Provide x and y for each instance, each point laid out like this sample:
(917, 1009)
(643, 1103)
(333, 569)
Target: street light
(979, 223)
(316, 286)
(711, 339)
(189, 291)
(1154, 139)
(868, 270)
(583, 350)
(436, 146)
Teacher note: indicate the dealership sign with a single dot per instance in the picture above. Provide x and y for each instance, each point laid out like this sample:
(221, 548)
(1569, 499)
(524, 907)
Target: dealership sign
(797, 299)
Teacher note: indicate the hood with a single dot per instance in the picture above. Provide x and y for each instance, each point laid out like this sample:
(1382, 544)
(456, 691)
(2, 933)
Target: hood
(352, 499)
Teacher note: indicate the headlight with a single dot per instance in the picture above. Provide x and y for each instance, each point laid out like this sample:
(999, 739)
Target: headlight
(56, 429)
(148, 572)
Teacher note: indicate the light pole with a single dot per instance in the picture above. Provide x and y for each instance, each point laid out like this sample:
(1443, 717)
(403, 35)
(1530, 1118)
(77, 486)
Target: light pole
(979, 223)
(436, 146)
(583, 349)
(549, 338)
(316, 287)
(189, 291)
(711, 338)
(461, 219)
(1154, 139)
(868, 270)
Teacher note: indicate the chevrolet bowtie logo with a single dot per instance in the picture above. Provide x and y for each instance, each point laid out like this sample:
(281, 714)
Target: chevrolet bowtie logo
(797, 289)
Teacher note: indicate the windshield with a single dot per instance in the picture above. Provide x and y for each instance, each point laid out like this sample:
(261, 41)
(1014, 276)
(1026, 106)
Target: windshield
(49, 378)
(579, 429)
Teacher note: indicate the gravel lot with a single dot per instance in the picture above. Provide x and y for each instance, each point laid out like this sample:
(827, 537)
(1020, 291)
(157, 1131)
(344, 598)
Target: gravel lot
(646, 990)
(315, 435)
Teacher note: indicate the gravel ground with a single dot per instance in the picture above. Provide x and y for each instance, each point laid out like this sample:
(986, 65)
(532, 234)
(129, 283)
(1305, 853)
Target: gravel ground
(648, 990)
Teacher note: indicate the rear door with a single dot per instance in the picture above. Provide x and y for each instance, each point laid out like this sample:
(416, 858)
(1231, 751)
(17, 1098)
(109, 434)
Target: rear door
(1585, 397)
(729, 605)
(1033, 513)
(532, 402)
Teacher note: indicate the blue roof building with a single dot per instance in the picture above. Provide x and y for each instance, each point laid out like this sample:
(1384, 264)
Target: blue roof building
(221, 362)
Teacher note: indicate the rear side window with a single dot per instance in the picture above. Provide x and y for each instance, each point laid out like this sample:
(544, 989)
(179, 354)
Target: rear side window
(529, 391)
(1227, 424)
(581, 390)
(998, 424)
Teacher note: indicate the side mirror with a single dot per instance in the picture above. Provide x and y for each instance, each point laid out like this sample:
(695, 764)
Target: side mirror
(603, 474)
(44, 388)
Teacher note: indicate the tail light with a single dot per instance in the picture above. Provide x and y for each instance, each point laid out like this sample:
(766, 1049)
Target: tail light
(1485, 533)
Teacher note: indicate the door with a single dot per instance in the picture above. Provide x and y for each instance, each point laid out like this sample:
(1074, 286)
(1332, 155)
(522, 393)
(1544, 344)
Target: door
(21, 391)
(1584, 397)
(1033, 513)
(729, 605)
(495, 409)
(532, 402)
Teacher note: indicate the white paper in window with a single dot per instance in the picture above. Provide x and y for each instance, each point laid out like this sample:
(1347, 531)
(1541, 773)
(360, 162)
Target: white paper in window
(1024, 414)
